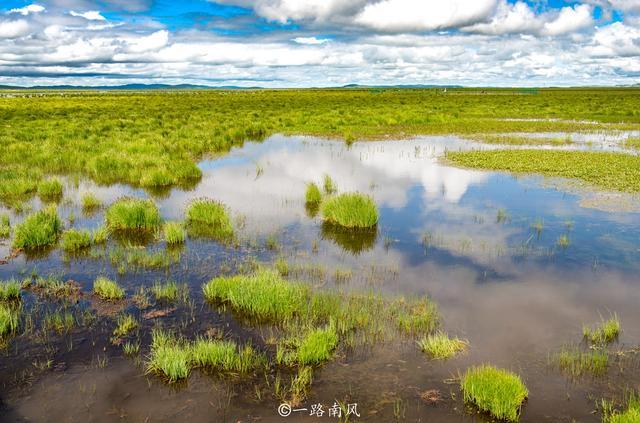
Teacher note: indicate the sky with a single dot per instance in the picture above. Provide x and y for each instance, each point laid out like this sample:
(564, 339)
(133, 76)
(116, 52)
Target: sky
(320, 43)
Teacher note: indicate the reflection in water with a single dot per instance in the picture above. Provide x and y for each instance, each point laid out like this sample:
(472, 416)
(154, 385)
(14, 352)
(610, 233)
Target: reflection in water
(352, 240)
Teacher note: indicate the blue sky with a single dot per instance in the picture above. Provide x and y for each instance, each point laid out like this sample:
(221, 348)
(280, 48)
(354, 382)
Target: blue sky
(299, 43)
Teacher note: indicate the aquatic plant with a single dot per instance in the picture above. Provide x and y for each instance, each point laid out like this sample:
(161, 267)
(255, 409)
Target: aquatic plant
(131, 348)
(317, 346)
(133, 214)
(224, 356)
(10, 290)
(90, 202)
(107, 289)
(169, 356)
(100, 235)
(5, 226)
(282, 266)
(126, 323)
(38, 230)
(350, 210)
(209, 219)
(328, 185)
(168, 292)
(576, 362)
(74, 240)
(174, 233)
(563, 241)
(631, 413)
(440, 346)
(496, 391)
(53, 286)
(9, 319)
(313, 196)
(50, 189)
(59, 321)
(605, 332)
(417, 318)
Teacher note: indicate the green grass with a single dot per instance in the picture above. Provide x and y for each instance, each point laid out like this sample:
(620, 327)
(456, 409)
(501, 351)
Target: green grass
(440, 347)
(328, 185)
(312, 195)
(350, 210)
(107, 289)
(54, 287)
(169, 356)
(317, 346)
(138, 258)
(126, 324)
(59, 321)
(100, 235)
(9, 319)
(5, 226)
(174, 233)
(74, 240)
(521, 140)
(563, 241)
(209, 219)
(603, 333)
(576, 362)
(167, 292)
(630, 413)
(133, 214)
(10, 290)
(605, 170)
(90, 202)
(38, 230)
(50, 189)
(418, 318)
(496, 391)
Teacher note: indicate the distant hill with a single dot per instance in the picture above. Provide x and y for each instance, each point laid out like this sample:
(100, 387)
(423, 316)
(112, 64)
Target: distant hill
(401, 86)
(126, 87)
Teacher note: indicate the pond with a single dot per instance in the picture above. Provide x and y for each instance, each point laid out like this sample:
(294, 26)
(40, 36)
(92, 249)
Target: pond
(515, 264)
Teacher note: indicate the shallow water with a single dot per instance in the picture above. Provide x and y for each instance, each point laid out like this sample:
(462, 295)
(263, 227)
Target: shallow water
(464, 237)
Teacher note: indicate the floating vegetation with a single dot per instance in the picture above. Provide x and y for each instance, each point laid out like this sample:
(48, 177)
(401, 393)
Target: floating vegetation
(350, 210)
(90, 203)
(496, 391)
(174, 233)
(74, 240)
(603, 333)
(50, 189)
(107, 289)
(576, 362)
(38, 230)
(133, 214)
(209, 219)
(440, 346)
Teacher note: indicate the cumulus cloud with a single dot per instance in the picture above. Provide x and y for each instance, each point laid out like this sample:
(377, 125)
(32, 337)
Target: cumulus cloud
(569, 19)
(24, 11)
(615, 40)
(14, 29)
(91, 15)
(310, 40)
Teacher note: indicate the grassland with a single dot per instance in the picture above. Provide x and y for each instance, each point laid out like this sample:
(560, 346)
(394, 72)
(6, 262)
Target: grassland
(609, 171)
(155, 139)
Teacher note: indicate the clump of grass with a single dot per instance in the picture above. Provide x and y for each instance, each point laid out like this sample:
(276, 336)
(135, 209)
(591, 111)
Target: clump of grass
(496, 391)
(133, 214)
(167, 292)
(10, 290)
(74, 240)
(603, 333)
(416, 318)
(313, 196)
(131, 348)
(50, 189)
(208, 218)
(54, 287)
(59, 322)
(563, 241)
(351, 210)
(38, 230)
(282, 266)
(169, 356)
(440, 347)
(630, 415)
(328, 185)
(107, 289)
(174, 233)
(100, 235)
(9, 318)
(317, 346)
(126, 323)
(5, 226)
(219, 355)
(90, 202)
(576, 362)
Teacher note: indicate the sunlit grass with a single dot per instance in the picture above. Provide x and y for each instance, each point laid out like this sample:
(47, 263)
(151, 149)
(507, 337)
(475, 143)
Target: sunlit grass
(576, 362)
(126, 324)
(629, 414)
(50, 189)
(351, 210)
(418, 318)
(210, 219)
(38, 230)
(107, 289)
(169, 356)
(5, 226)
(440, 346)
(59, 321)
(174, 233)
(10, 290)
(90, 202)
(313, 196)
(168, 292)
(317, 346)
(133, 214)
(74, 240)
(9, 319)
(328, 185)
(496, 391)
(605, 332)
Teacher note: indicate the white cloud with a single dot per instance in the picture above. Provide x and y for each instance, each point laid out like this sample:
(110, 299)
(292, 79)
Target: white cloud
(292, 10)
(412, 15)
(570, 19)
(14, 29)
(24, 11)
(91, 15)
(614, 40)
(310, 40)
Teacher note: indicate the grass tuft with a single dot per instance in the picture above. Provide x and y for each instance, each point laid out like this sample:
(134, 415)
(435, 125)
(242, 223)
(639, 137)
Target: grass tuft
(351, 210)
(317, 346)
(174, 233)
(168, 292)
(575, 362)
(496, 391)
(107, 289)
(9, 318)
(209, 219)
(313, 196)
(38, 230)
(10, 290)
(126, 324)
(5, 226)
(440, 347)
(603, 333)
(169, 356)
(50, 189)
(328, 185)
(133, 214)
(74, 240)
(90, 202)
